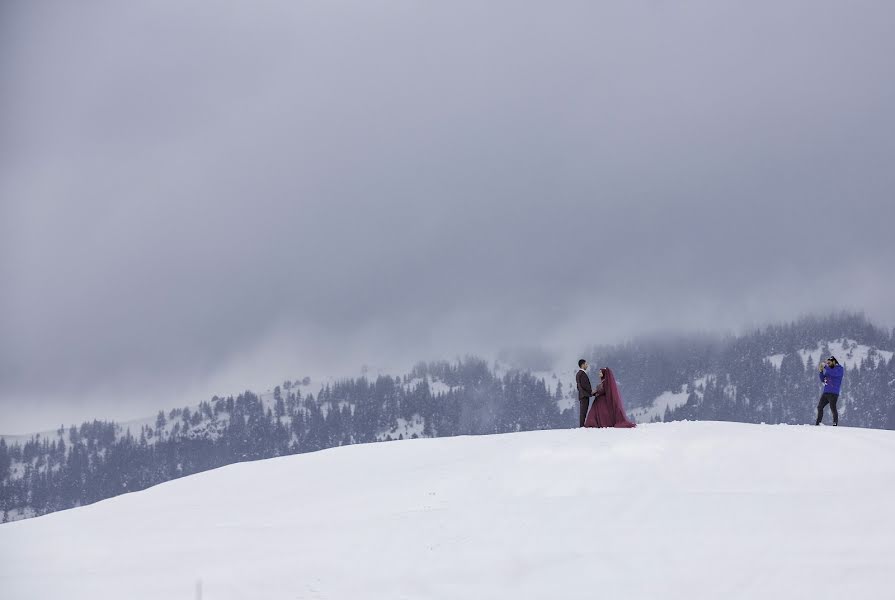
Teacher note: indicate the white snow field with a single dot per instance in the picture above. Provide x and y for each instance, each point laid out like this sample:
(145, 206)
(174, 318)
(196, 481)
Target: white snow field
(684, 510)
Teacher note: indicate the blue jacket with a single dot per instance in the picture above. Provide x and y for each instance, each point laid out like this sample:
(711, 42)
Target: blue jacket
(832, 379)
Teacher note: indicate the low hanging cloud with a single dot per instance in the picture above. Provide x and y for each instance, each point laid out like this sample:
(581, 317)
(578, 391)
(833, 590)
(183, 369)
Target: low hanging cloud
(200, 198)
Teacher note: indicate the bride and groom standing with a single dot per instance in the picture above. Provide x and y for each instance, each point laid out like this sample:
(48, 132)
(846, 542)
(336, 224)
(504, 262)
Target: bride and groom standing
(607, 409)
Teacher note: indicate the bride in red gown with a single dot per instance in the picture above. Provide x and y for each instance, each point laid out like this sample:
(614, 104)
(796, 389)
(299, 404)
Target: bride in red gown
(607, 409)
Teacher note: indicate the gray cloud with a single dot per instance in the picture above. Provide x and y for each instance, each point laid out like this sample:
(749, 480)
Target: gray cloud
(199, 198)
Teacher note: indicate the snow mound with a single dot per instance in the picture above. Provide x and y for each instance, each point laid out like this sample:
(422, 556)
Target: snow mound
(669, 510)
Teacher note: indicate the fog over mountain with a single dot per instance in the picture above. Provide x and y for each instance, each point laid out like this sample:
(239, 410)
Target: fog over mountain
(200, 199)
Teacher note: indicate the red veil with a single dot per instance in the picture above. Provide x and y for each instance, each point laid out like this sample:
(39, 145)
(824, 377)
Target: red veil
(607, 409)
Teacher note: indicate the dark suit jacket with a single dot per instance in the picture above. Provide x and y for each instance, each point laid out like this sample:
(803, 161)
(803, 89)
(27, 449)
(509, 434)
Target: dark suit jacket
(584, 389)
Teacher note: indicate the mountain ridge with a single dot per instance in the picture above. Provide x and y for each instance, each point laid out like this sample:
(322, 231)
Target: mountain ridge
(765, 376)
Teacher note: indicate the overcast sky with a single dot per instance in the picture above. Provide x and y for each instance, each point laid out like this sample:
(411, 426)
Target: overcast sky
(198, 198)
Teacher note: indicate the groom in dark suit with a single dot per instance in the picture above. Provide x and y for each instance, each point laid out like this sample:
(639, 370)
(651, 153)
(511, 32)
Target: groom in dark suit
(585, 391)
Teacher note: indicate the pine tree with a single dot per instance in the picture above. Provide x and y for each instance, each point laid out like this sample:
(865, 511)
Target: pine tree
(5, 460)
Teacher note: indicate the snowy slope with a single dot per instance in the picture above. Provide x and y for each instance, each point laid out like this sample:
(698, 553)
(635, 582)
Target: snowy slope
(847, 351)
(669, 400)
(436, 387)
(676, 510)
(658, 406)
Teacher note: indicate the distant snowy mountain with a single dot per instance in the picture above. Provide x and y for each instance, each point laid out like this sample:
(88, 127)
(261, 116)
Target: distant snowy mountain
(852, 354)
(767, 376)
(682, 510)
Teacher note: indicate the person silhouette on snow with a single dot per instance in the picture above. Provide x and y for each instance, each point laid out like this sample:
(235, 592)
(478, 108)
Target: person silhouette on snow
(831, 375)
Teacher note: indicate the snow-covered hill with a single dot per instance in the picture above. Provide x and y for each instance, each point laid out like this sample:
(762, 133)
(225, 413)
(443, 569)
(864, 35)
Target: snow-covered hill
(674, 510)
(850, 353)
(207, 426)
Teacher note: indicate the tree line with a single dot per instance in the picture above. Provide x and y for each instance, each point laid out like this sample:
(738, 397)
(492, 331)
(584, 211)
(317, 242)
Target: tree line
(728, 378)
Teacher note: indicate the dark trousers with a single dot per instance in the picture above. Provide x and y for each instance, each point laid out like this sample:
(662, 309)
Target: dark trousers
(582, 410)
(827, 398)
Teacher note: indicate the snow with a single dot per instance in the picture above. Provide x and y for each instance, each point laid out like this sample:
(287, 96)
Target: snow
(550, 377)
(848, 352)
(325, 407)
(16, 469)
(570, 389)
(657, 408)
(776, 360)
(438, 387)
(14, 514)
(22, 438)
(317, 381)
(699, 385)
(405, 428)
(670, 400)
(412, 384)
(696, 510)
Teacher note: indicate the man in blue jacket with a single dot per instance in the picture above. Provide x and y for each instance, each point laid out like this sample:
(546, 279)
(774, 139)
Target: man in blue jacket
(831, 375)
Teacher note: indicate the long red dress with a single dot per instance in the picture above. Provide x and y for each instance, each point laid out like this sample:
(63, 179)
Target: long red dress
(607, 409)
